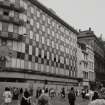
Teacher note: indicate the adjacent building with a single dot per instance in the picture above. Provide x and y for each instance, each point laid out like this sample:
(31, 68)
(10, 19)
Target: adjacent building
(85, 64)
(36, 46)
(88, 37)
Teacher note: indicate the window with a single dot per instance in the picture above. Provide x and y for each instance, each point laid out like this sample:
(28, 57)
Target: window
(62, 48)
(47, 68)
(52, 44)
(19, 46)
(31, 22)
(5, 27)
(42, 53)
(1, 11)
(12, 1)
(14, 62)
(43, 17)
(42, 68)
(11, 13)
(30, 50)
(57, 26)
(31, 35)
(20, 30)
(36, 66)
(49, 21)
(43, 28)
(37, 25)
(37, 37)
(38, 14)
(0, 26)
(67, 61)
(43, 40)
(37, 52)
(6, 12)
(52, 57)
(40, 32)
(57, 71)
(48, 56)
(53, 23)
(23, 47)
(25, 5)
(57, 46)
(53, 33)
(48, 31)
(24, 30)
(22, 64)
(56, 58)
(24, 17)
(48, 42)
(32, 10)
(21, 16)
(15, 29)
(29, 63)
(15, 46)
(10, 28)
(18, 63)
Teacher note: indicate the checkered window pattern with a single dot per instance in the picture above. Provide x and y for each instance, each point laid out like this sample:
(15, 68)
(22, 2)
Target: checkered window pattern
(48, 45)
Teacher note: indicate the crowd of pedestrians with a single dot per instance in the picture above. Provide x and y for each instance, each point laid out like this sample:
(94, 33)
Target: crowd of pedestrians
(19, 96)
(43, 96)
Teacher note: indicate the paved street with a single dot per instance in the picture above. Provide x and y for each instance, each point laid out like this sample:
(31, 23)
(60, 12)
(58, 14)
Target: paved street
(59, 101)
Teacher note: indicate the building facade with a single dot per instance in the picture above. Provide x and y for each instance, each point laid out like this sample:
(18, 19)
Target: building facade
(85, 64)
(37, 45)
(88, 37)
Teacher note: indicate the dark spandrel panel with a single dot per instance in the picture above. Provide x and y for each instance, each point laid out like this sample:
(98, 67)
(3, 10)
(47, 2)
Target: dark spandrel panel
(47, 62)
(33, 50)
(27, 48)
(67, 67)
(42, 61)
(36, 59)
(23, 56)
(62, 65)
(19, 55)
(30, 57)
(39, 60)
(26, 57)
(30, 41)
(52, 63)
(56, 64)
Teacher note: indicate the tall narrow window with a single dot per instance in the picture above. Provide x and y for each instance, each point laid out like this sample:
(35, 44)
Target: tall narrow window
(0, 26)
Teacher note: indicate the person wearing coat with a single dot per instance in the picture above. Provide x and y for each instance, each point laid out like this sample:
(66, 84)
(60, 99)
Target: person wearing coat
(26, 99)
(71, 96)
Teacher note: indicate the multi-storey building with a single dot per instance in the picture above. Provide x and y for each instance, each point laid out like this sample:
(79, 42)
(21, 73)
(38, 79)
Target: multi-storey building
(36, 45)
(88, 37)
(85, 64)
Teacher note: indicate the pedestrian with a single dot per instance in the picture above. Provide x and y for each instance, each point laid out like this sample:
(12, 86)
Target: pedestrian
(44, 99)
(83, 94)
(26, 99)
(71, 96)
(95, 95)
(7, 96)
(63, 92)
(20, 94)
(97, 102)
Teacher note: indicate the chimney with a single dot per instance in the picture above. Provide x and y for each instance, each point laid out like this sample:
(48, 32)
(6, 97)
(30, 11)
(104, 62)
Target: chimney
(89, 28)
(79, 30)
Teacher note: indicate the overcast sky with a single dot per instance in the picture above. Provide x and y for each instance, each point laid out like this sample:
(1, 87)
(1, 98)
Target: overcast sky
(81, 14)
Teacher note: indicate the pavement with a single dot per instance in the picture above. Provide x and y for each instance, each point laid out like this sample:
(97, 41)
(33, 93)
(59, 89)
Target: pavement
(59, 101)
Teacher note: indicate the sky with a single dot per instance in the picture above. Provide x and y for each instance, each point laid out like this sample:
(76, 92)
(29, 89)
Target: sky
(81, 14)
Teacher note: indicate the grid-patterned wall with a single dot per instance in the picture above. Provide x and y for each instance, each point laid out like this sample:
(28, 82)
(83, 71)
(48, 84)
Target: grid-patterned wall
(48, 46)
